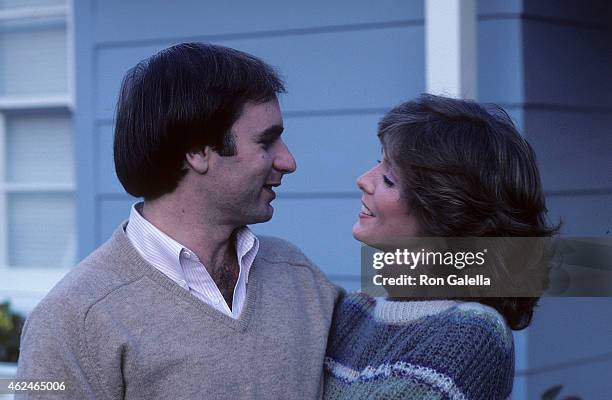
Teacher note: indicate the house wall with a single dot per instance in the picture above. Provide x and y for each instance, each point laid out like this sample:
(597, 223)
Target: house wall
(346, 63)
(568, 118)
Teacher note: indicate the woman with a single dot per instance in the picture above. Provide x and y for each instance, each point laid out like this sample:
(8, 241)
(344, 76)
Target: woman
(449, 168)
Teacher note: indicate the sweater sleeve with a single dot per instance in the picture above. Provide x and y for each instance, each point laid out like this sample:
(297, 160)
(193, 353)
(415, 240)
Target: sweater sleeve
(488, 372)
(472, 355)
(51, 350)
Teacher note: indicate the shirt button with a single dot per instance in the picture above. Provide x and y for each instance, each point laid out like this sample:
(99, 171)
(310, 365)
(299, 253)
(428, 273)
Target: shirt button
(183, 284)
(216, 301)
(187, 255)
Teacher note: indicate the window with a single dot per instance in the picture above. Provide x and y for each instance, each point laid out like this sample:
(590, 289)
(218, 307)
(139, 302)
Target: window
(37, 211)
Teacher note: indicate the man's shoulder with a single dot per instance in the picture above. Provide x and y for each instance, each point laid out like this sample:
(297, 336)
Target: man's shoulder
(275, 251)
(91, 280)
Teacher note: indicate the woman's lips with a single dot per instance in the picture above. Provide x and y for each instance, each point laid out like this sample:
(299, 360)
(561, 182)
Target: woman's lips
(365, 211)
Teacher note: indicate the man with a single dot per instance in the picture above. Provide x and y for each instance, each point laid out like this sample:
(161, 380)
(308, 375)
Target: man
(184, 301)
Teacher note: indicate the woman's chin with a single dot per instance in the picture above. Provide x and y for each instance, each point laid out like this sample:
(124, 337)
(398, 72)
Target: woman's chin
(358, 233)
(361, 236)
(370, 241)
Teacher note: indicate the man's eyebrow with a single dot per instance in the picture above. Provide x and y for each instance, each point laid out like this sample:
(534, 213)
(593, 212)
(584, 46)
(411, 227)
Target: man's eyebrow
(270, 133)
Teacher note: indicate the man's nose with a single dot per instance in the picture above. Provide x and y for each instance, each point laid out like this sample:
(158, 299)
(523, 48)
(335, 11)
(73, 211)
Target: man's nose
(284, 161)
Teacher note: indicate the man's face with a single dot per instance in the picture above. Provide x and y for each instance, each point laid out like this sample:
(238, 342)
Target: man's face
(243, 183)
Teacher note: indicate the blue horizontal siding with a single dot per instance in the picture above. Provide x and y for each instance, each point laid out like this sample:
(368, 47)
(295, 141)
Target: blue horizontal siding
(591, 13)
(568, 114)
(495, 7)
(569, 345)
(584, 379)
(111, 210)
(321, 228)
(574, 148)
(106, 177)
(582, 214)
(346, 70)
(186, 19)
(567, 65)
(500, 70)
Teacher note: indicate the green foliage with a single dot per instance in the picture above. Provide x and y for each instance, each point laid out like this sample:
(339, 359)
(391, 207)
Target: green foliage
(10, 330)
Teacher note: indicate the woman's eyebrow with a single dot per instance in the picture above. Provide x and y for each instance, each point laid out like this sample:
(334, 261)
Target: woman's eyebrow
(389, 168)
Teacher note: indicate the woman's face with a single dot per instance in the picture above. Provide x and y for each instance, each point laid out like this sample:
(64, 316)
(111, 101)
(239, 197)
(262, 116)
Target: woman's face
(384, 220)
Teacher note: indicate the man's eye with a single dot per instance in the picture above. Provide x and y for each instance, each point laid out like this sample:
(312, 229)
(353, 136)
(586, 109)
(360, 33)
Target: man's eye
(387, 181)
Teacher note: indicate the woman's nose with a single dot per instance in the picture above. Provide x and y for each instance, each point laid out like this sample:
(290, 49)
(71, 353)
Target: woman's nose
(364, 182)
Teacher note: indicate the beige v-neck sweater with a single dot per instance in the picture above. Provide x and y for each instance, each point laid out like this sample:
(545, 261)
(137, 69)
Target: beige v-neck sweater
(117, 328)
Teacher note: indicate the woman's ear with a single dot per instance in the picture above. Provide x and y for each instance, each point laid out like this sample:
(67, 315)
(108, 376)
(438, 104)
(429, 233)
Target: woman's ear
(198, 159)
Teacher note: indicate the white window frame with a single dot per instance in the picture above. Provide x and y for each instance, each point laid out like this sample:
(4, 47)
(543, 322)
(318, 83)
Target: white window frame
(25, 287)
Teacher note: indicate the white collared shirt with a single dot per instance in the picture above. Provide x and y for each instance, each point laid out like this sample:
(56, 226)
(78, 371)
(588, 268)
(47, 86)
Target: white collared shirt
(183, 266)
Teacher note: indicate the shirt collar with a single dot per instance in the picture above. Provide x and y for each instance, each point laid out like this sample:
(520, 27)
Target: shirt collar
(154, 245)
(247, 246)
(158, 248)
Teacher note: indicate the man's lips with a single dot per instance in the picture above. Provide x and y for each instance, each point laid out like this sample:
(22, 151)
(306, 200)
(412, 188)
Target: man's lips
(269, 187)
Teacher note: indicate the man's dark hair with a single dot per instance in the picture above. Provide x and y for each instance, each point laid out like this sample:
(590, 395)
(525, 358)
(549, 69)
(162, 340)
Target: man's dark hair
(467, 172)
(185, 97)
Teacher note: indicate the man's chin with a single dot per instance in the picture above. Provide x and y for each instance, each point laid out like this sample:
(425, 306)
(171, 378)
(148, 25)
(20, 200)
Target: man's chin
(264, 216)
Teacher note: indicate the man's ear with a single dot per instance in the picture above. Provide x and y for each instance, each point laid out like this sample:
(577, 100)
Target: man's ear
(198, 159)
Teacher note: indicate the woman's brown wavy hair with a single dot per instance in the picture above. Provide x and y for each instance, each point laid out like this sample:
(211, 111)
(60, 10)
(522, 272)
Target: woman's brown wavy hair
(465, 171)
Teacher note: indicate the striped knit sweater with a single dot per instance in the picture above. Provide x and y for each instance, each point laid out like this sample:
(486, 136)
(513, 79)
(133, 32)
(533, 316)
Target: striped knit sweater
(439, 349)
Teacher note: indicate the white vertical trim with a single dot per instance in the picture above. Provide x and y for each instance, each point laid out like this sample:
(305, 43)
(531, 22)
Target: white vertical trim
(450, 48)
(4, 256)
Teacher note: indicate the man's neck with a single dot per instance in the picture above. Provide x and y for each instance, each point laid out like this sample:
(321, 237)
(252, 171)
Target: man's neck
(213, 243)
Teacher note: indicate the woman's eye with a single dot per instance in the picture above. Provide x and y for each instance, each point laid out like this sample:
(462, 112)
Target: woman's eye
(387, 181)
